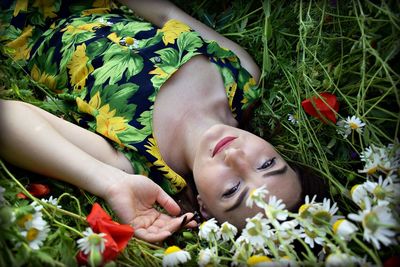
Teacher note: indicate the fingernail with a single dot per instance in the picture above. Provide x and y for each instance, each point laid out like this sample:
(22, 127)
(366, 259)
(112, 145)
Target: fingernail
(183, 221)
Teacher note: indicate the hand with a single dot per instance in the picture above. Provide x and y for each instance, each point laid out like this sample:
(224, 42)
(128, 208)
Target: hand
(132, 197)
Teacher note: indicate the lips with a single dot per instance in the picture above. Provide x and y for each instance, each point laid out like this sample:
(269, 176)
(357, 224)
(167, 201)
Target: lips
(223, 143)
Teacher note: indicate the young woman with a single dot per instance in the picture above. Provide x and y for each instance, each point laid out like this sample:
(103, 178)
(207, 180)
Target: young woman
(155, 92)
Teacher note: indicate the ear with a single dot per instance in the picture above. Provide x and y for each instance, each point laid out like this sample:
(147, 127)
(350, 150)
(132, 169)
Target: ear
(203, 209)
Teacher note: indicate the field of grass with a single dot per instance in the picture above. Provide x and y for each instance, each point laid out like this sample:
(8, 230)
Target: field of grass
(349, 49)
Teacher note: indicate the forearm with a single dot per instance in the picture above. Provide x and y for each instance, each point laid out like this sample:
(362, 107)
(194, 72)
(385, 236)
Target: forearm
(28, 141)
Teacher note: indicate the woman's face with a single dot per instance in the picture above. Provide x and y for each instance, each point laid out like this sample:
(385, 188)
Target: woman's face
(229, 164)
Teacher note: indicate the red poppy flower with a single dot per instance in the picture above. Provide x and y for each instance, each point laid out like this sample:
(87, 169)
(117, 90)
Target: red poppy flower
(321, 110)
(36, 190)
(117, 235)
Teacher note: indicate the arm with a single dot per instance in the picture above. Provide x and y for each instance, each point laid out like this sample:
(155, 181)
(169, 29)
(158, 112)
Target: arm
(160, 11)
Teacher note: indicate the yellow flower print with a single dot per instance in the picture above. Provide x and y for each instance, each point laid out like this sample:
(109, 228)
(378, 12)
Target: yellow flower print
(159, 72)
(114, 37)
(108, 125)
(46, 7)
(172, 29)
(20, 5)
(91, 107)
(230, 91)
(79, 68)
(170, 174)
(91, 11)
(87, 27)
(20, 45)
(43, 78)
(249, 84)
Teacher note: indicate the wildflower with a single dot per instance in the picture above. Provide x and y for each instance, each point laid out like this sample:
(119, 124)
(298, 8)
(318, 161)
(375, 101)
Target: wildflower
(208, 256)
(36, 190)
(293, 118)
(228, 231)
(358, 195)
(352, 123)
(257, 196)
(383, 159)
(92, 241)
(376, 221)
(344, 228)
(257, 230)
(339, 259)
(324, 213)
(52, 201)
(312, 236)
(384, 191)
(173, 256)
(35, 236)
(286, 233)
(260, 261)
(209, 230)
(275, 209)
(304, 210)
(323, 107)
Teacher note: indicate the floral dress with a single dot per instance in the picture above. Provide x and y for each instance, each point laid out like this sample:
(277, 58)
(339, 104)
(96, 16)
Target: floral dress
(112, 65)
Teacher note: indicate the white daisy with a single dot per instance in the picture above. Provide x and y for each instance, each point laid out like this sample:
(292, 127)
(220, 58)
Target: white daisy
(52, 201)
(358, 194)
(324, 213)
(353, 123)
(260, 261)
(173, 256)
(376, 222)
(228, 231)
(384, 191)
(35, 236)
(92, 241)
(275, 209)
(304, 210)
(286, 233)
(312, 236)
(257, 196)
(293, 118)
(344, 229)
(257, 230)
(208, 256)
(383, 159)
(209, 230)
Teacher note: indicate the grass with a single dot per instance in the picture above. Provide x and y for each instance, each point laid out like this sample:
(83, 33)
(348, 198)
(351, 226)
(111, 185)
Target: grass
(347, 48)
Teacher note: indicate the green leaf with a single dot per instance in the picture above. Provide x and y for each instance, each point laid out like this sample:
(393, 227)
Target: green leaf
(189, 41)
(131, 28)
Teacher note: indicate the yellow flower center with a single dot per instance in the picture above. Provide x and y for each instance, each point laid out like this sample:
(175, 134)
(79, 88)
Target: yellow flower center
(303, 210)
(172, 249)
(372, 170)
(379, 192)
(253, 260)
(353, 125)
(32, 234)
(21, 222)
(129, 40)
(311, 234)
(94, 239)
(354, 188)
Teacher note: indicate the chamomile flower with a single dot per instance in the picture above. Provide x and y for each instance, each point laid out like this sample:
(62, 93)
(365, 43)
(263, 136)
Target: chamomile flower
(257, 196)
(338, 259)
(358, 194)
(173, 256)
(35, 236)
(304, 210)
(324, 213)
(257, 230)
(384, 191)
(209, 230)
(383, 159)
(293, 118)
(376, 221)
(260, 261)
(52, 201)
(286, 233)
(228, 231)
(344, 229)
(208, 256)
(312, 236)
(349, 125)
(275, 209)
(91, 241)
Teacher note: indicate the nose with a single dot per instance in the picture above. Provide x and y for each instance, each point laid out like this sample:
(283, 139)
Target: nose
(236, 159)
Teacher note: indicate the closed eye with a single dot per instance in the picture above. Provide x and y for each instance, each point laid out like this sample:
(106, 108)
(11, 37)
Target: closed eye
(230, 192)
(267, 164)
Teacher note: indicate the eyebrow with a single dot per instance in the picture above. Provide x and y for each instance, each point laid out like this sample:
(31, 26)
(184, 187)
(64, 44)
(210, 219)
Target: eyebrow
(242, 195)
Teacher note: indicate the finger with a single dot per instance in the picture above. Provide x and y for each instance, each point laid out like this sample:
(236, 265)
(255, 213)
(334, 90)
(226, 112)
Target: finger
(168, 203)
(153, 237)
(191, 224)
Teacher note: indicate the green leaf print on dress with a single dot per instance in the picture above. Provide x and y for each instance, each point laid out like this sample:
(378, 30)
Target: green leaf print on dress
(118, 61)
